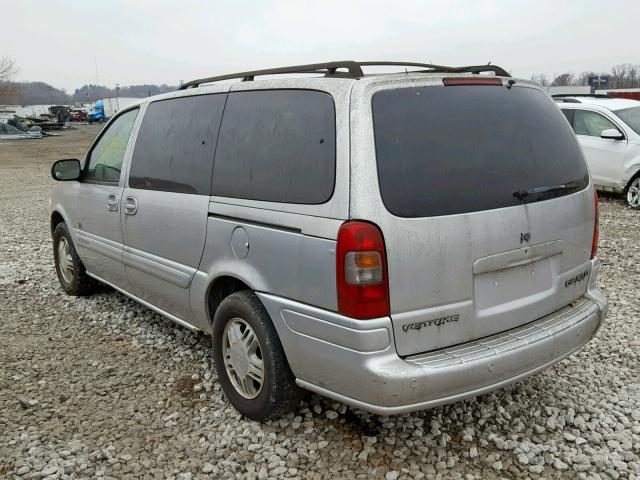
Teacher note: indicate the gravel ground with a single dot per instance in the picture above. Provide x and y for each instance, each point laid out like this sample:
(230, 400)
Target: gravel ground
(102, 387)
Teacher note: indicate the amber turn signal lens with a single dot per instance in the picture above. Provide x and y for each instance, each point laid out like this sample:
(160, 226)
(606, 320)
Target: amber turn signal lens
(367, 259)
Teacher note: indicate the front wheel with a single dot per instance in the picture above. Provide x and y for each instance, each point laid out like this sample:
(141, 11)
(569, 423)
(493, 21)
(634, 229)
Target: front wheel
(249, 359)
(71, 272)
(632, 193)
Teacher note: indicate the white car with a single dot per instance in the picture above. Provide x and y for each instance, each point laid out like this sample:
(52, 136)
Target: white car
(608, 130)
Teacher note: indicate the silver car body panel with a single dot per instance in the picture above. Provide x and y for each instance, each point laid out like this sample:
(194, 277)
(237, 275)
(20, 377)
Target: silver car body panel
(364, 371)
(160, 258)
(280, 260)
(177, 246)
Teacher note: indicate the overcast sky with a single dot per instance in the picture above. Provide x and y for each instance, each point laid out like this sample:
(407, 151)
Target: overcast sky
(71, 43)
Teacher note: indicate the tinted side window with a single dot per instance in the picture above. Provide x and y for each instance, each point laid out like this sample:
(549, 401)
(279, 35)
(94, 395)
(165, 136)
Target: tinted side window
(568, 114)
(176, 144)
(105, 160)
(591, 123)
(277, 146)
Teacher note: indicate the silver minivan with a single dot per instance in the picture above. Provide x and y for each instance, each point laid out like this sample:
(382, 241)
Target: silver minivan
(393, 241)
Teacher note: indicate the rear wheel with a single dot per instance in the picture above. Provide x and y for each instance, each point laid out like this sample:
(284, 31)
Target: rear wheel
(71, 272)
(249, 359)
(632, 192)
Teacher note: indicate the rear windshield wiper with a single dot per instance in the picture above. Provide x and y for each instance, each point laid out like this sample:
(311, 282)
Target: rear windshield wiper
(524, 194)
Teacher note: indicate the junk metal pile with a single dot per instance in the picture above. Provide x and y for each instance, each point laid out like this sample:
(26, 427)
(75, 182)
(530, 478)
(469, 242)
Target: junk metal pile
(18, 128)
(101, 387)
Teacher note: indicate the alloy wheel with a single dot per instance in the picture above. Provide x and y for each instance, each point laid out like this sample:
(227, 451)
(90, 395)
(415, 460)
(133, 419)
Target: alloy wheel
(65, 260)
(633, 193)
(243, 358)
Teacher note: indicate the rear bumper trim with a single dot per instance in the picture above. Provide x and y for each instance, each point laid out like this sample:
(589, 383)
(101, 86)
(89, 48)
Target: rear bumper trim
(369, 374)
(515, 339)
(412, 407)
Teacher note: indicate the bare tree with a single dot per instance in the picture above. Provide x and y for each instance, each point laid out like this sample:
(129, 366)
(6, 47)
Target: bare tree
(625, 75)
(7, 69)
(564, 80)
(8, 89)
(541, 79)
(583, 78)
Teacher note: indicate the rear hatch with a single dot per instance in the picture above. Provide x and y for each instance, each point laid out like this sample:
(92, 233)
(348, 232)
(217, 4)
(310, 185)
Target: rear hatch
(488, 216)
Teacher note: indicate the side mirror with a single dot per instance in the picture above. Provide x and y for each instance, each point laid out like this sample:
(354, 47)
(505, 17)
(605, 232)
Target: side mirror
(612, 134)
(66, 170)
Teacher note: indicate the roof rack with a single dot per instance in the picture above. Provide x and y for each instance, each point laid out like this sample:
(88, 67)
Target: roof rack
(344, 69)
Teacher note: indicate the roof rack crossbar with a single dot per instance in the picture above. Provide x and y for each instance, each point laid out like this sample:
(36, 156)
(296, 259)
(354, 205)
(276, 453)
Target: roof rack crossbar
(343, 69)
(353, 70)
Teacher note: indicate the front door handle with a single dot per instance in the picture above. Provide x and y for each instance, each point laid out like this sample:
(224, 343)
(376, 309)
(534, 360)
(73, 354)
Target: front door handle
(112, 202)
(130, 205)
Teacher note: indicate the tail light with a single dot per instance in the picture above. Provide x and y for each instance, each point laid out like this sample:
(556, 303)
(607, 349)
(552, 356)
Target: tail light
(596, 233)
(361, 271)
(457, 81)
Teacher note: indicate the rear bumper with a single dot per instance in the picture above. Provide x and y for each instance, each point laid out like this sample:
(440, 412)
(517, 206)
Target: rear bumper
(355, 362)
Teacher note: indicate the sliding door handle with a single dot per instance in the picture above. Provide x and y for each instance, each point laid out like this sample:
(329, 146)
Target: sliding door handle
(130, 205)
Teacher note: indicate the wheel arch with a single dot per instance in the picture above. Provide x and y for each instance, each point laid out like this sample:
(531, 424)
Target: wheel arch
(630, 170)
(55, 219)
(627, 188)
(219, 289)
(635, 174)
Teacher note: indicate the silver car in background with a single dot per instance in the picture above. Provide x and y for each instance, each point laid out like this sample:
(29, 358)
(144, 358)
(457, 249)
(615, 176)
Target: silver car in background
(392, 241)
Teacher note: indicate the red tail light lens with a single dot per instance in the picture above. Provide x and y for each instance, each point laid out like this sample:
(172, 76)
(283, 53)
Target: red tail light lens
(361, 271)
(596, 232)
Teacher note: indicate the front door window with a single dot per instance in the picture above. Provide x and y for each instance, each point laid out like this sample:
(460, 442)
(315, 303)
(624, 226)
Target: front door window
(105, 159)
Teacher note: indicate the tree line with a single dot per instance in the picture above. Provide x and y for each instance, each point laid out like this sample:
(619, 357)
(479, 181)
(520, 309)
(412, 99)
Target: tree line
(625, 75)
(40, 93)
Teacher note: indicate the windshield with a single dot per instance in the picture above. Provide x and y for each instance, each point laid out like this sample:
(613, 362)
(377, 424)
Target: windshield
(458, 149)
(631, 117)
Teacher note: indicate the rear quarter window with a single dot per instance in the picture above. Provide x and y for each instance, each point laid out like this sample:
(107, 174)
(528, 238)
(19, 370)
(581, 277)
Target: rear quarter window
(459, 149)
(277, 146)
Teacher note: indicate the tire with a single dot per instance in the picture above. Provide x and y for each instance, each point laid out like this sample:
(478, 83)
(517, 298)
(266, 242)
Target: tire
(277, 393)
(632, 193)
(69, 268)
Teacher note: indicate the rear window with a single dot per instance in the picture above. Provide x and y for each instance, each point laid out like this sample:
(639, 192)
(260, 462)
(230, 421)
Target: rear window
(277, 146)
(459, 149)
